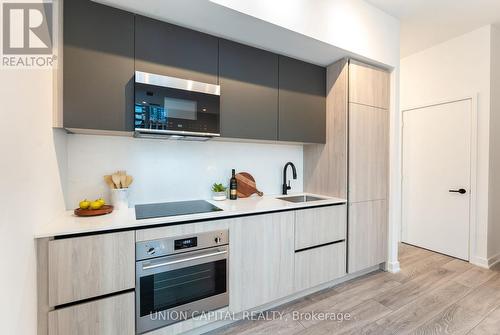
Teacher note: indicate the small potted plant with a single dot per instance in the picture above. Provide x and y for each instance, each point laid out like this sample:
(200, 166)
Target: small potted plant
(219, 192)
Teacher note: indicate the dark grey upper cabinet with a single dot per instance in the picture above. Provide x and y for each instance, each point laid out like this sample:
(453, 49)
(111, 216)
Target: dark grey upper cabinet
(170, 50)
(302, 101)
(249, 92)
(98, 74)
(263, 95)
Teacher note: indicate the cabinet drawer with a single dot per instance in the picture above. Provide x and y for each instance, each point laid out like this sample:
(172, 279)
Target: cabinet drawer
(109, 316)
(319, 265)
(86, 267)
(316, 226)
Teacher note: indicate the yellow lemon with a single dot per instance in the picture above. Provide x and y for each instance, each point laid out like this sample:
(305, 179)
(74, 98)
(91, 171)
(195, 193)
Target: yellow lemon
(95, 205)
(101, 200)
(84, 204)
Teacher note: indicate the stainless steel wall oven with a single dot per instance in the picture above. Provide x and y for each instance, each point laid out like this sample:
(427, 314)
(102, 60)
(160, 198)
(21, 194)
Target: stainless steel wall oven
(180, 277)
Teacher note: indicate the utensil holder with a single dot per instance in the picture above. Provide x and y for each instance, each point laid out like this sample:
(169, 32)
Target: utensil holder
(119, 198)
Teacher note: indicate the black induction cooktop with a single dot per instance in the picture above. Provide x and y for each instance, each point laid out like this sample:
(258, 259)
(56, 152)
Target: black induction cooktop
(149, 211)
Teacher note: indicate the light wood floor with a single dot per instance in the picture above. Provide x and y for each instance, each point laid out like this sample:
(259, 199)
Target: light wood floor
(433, 294)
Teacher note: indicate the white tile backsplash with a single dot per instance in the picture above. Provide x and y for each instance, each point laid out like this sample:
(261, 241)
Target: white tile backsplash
(167, 170)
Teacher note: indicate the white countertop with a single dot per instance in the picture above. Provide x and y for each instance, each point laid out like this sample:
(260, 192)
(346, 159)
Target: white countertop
(69, 224)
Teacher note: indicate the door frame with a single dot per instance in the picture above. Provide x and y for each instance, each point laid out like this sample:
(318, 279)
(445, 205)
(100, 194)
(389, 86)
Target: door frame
(473, 165)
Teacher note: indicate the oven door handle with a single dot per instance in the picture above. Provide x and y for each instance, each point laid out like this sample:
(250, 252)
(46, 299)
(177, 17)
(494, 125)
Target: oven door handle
(177, 261)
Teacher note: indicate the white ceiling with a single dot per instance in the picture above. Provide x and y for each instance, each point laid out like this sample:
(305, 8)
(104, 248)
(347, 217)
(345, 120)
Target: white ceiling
(425, 23)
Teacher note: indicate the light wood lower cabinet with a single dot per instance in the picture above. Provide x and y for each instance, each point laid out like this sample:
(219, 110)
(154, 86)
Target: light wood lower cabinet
(367, 243)
(86, 267)
(109, 316)
(321, 225)
(319, 265)
(261, 259)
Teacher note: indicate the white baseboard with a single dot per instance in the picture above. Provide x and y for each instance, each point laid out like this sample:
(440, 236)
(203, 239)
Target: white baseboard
(486, 263)
(479, 261)
(392, 267)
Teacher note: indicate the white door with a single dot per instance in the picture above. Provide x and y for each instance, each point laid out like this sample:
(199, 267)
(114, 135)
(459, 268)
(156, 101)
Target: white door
(436, 177)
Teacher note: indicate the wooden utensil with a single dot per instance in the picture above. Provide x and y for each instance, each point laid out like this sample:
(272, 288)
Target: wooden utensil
(246, 185)
(116, 180)
(129, 181)
(123, 181)
(109, 181)
(106, 209)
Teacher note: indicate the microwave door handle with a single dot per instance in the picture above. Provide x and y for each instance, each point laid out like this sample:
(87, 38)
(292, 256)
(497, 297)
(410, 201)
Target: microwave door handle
(177, 261)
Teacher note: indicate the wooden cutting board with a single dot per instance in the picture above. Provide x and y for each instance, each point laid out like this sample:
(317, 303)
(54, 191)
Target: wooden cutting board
(246, 185)
(106, 209)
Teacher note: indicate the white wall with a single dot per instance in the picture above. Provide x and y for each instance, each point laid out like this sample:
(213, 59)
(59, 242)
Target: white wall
(173, 170)
(456, 69)
(31, 191)
(494, 210)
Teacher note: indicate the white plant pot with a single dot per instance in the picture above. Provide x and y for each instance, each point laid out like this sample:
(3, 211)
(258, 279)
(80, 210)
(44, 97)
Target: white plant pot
(219, 196)
(119, 198)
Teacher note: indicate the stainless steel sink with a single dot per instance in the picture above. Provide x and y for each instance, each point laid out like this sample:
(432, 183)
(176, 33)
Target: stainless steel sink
(301, 198)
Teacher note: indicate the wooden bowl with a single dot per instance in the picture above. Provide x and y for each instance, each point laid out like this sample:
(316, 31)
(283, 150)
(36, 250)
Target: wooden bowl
(106, 209)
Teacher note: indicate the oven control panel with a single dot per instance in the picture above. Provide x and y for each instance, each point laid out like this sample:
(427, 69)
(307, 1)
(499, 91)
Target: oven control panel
(185, 243)
(179, 244)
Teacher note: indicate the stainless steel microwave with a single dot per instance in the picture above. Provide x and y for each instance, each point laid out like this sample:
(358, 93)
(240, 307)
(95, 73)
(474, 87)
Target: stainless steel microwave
(174, 107)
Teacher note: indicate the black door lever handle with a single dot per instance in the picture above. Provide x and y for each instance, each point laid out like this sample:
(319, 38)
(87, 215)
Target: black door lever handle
(461, 191)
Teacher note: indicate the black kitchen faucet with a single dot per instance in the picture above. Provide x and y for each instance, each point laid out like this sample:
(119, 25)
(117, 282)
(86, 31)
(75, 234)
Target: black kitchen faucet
(286, 186)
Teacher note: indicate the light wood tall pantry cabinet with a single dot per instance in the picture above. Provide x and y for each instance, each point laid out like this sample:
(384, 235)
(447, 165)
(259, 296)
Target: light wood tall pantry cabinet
(353, 163)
